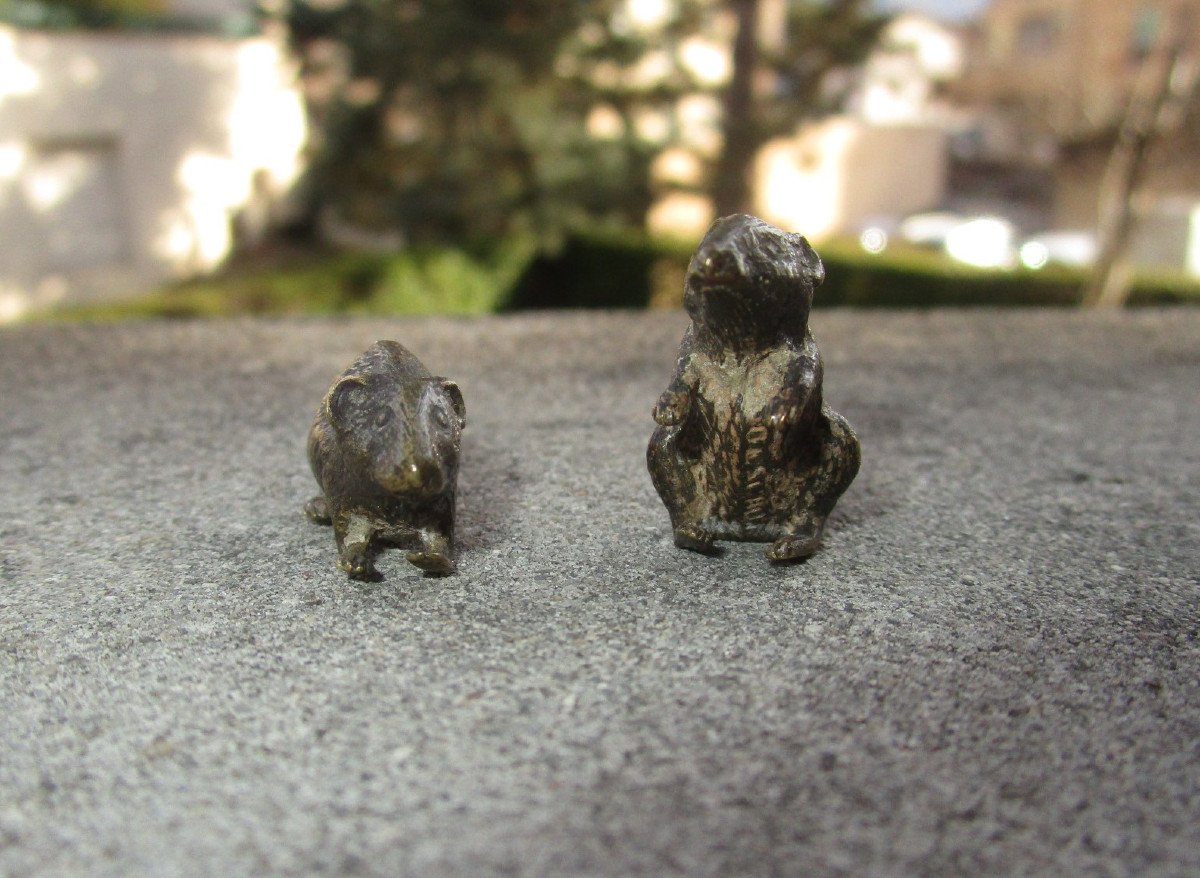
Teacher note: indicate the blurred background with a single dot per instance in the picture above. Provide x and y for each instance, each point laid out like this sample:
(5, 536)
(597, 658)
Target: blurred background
(197, 157)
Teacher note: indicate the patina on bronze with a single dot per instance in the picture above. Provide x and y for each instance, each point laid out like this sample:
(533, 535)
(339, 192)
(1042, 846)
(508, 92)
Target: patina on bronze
(384, 448)
(746, 449)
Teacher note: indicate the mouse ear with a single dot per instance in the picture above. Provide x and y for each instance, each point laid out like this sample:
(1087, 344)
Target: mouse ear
(342, 396)
(456, 399)
(813, 267)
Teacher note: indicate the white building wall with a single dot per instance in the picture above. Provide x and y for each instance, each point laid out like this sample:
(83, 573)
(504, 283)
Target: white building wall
(836, 175)
(124, 158)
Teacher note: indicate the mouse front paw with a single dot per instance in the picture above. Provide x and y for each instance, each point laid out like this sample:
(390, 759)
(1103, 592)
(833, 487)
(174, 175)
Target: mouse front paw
(433, 555)
(695, 539)
(431, 562)
(317, 509)
(355, 559)
(671, 409)
(799, 544)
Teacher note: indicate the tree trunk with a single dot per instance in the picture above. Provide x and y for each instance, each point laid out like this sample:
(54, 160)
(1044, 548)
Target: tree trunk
(731, 188)
(1113, 275)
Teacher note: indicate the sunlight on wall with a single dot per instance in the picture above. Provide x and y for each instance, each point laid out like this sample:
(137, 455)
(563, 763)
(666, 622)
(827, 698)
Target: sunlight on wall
(936, 47)
(13, 304)
(838, 175)
(267, 125)
(12, 159)
(984, 243)
(267, 131)
(196, 235)
(16, 77)
(798, 180)
(55, 180)
(16, 301)
(175, 240)
(84, 71)
(128, 159)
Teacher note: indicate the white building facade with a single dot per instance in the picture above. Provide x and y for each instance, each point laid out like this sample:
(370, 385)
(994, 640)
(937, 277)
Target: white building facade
(126, 159)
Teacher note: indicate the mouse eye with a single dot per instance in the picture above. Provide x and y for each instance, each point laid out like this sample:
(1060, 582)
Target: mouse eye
(383, 418)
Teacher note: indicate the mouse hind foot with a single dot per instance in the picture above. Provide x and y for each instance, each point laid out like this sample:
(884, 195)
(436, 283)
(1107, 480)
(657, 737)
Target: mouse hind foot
(799, 544)
(695, 539)
(434, 554)
(317, 510)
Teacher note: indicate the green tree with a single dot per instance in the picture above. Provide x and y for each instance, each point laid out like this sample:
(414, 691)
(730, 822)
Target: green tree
(455, 120)
(819, 37)
(111, 7)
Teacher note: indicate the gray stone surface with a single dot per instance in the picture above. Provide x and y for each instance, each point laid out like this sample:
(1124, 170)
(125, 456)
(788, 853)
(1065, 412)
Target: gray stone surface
(991, 667)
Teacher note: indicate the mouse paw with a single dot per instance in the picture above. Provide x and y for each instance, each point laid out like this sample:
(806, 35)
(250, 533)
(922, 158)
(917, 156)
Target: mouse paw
(801, 543)
(430, 561)
(671, 409)
(358, 568)
(695, 539)
(317, 509)
(355, 560)
(433, 554)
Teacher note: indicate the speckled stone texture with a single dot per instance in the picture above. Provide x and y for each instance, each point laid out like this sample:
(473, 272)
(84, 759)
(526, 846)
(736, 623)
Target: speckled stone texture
(990, 668)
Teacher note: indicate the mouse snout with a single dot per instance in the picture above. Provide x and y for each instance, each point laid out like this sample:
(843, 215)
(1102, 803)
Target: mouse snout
(420, 475)
(411, 477)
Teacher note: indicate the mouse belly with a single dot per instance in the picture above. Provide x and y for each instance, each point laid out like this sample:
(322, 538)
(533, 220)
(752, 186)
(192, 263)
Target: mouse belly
(743, 473)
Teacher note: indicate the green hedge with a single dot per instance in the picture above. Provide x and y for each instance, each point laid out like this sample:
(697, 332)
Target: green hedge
(423, 280)
(920, 279)
(606, 272)
(143, 16)
(596, 271)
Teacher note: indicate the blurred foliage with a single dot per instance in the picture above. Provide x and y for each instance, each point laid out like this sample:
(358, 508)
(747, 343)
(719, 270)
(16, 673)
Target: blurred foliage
(432, 280)
(447, 120)
(134, 7)
(455, 120)
(611, 272)
(595, 271)
(421, 280)
(614, 270)
(820, 36)
(155, 16)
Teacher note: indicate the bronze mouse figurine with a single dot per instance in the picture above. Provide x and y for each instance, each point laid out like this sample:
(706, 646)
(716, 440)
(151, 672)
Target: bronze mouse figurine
(384, 448)
(746, 448)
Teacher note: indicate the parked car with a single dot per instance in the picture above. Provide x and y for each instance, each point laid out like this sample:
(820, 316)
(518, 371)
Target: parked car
(981, 241)
(1073, 248)
(930, 229)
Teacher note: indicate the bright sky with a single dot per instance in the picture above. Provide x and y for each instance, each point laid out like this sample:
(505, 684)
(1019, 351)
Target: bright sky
(949, 10)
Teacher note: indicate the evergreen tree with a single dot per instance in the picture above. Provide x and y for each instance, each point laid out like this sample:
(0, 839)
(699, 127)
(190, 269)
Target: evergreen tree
(454, 119)
(819, 38)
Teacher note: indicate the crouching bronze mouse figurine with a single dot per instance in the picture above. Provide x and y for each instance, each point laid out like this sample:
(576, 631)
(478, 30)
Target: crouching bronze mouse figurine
(384, 448)
(746, 449)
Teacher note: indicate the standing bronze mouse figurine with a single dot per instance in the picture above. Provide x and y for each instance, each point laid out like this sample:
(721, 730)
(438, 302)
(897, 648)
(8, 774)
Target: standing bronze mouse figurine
(384, 448)
(746, 449)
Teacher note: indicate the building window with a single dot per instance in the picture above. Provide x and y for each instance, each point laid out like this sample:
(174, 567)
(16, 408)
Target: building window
(74, 190)
(1038, 34)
